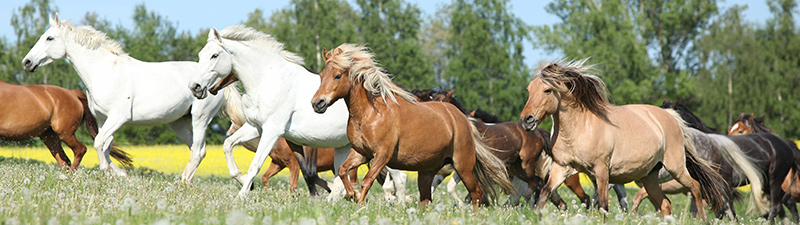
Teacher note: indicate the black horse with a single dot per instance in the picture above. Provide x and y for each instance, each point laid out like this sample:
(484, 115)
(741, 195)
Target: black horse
(771, 154)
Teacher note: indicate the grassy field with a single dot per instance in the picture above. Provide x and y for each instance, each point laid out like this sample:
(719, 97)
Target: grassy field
(38, 192)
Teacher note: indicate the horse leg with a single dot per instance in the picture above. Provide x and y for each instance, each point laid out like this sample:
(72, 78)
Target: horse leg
(307, 161)
(425, 179)
(269, 136)
(53, 143)
(601, 176)
(637, 199)
(103, 141)
(378, 163)
(340, 154)
(274, 169)
(245, 133)
(451, 188)
(183, 128)
(776, 178)
(622, 196)
(791, 205)
(656, 196)
(354, 160)
(574, 184)
(398, 179)
(519, 185)
(78, 149)
(558, 174)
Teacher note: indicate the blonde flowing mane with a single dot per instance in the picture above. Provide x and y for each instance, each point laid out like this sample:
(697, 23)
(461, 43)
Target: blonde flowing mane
(363, 68)
(91, 38)
(243, 33)
(578, 81)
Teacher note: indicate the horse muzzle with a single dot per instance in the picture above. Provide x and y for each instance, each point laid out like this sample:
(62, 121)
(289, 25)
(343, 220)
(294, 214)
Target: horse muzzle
(320, 105)
(29, 65)
(530, 122)
(198, 90)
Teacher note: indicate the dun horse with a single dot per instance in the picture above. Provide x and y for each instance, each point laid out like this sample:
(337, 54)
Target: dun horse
(521, 151)
(51, 113)
(613, 144)
(385, 122)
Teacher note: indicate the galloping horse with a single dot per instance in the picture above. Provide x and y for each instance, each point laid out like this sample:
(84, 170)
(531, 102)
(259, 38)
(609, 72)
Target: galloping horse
(613, 144)
(520, 150)
(51, 113)
(735, 166)
(384, 124)
(123, 90)
(749, 124)
(282, 156)
(277, 89)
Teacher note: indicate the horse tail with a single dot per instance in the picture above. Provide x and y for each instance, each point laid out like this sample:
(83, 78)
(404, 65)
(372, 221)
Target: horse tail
(488, 168)
(712, 186)
(122, 157)
(742, 163)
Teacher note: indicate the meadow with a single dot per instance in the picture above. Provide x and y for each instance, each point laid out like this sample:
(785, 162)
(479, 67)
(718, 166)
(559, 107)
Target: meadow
(36, 191)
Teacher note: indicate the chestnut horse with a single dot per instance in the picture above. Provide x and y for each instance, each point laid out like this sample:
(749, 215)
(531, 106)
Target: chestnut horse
(519, 150)
(749, 124)
(385, 123)
(53, 114)
(613, 144)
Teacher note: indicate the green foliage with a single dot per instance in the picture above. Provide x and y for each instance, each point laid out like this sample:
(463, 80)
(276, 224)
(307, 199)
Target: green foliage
(485, 62)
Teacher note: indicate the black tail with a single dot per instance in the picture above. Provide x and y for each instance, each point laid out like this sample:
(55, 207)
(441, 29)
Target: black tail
(122, 157)
(712, 186)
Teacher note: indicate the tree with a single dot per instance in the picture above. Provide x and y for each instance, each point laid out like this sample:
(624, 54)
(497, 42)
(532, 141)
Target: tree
(485, 62)
(310, 25)
(390, 28)
(434, 37)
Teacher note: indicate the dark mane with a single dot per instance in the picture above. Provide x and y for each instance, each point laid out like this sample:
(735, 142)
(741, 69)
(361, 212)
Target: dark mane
(755, 123)
(691, 119)
(425, 95)
(486, 116)
(573, 78)
(458, 105)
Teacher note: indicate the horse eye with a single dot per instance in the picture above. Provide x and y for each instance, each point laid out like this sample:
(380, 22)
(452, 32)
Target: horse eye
(215, 55)
(50, 38)
(338, 76)
(548, 91)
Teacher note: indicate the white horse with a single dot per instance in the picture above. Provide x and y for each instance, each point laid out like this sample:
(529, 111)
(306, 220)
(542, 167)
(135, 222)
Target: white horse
(123, 90)
(278, 90)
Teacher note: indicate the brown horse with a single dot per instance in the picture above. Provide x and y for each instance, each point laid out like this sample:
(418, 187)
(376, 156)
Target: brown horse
(385, 123)
(519, 150)
(613, 144)
(51, 113)
(749, 124)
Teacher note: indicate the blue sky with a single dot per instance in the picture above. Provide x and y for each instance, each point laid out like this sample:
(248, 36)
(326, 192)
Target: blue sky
(214, 13)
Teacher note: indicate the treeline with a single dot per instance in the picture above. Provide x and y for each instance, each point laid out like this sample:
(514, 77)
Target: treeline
(708, 58)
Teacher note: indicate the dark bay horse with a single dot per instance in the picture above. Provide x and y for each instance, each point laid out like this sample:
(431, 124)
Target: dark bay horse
(749, 124)
(518, 149)
(770, 154)
(53, 114)
(385, 123)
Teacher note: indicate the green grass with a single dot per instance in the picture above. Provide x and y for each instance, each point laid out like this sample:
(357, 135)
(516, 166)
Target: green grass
(32, 192)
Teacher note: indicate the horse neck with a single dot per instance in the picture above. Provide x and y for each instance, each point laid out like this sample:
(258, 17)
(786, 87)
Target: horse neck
(360, 104)
(568, 123)
(270, 70)
(89, 62)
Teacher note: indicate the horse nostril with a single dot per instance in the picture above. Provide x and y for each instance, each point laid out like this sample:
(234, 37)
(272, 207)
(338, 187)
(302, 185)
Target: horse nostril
(26, 62)
(529, 119)
(319, 103)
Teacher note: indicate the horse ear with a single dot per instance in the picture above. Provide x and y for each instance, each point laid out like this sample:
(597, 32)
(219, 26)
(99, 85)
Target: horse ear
(324, 54)
(339, 51)
(741, 115)
(54, 21)
(213, 35)
(450, 93)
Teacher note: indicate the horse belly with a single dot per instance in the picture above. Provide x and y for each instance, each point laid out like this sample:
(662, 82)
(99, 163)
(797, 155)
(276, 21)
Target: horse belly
(22, 123)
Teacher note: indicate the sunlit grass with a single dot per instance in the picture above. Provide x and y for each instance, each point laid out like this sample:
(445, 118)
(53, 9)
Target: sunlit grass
(33, 192)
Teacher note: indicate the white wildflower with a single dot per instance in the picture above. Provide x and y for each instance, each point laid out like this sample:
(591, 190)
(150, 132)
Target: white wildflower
(162, 222)
(161, 204)
(237, 217)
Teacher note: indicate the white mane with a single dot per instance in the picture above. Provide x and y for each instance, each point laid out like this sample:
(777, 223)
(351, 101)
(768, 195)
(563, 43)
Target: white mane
(243, 33)
(89, 37)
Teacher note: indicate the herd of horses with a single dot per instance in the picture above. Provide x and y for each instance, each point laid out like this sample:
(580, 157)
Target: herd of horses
(352, 113)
